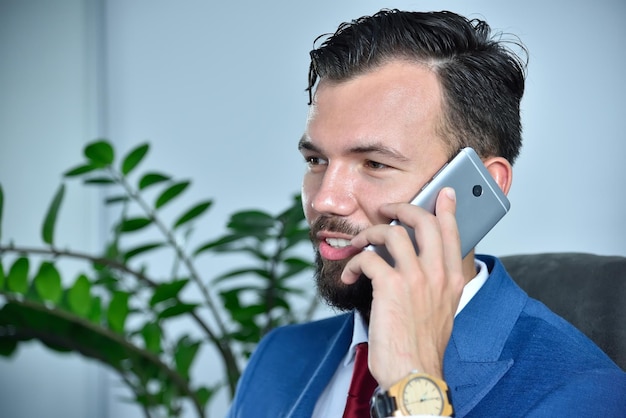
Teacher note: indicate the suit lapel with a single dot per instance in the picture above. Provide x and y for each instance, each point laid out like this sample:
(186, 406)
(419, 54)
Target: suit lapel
(470, 382)
(473, 361)
(323, 364)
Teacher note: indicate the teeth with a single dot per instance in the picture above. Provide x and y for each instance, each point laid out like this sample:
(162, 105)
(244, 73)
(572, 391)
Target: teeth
(338, 242)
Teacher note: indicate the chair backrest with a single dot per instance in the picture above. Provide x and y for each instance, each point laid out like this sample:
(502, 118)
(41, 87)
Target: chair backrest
(587, 290)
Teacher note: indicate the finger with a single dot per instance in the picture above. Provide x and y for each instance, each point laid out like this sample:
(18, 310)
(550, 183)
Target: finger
(427, 235)
(451, 241)
(445, 210)
(395, 238)
(366, 263)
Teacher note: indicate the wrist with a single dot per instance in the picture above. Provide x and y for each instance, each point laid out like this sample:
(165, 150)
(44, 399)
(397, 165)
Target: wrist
(394, 373)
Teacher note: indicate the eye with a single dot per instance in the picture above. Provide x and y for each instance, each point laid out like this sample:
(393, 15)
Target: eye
(375, 165)
(312, 160)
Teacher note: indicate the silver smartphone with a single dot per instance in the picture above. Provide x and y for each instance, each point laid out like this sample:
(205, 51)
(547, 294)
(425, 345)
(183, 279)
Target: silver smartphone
(480, 203)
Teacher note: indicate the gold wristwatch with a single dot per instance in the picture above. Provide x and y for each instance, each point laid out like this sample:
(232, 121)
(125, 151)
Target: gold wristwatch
(416, 394)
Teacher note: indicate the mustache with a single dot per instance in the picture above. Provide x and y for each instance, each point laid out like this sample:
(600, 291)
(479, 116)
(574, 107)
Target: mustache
(332, 224)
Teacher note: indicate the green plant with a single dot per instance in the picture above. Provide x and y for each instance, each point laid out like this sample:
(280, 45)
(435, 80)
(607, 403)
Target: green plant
(117, 312)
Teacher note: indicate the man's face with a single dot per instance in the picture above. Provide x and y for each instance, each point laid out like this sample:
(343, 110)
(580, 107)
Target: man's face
(370, 140)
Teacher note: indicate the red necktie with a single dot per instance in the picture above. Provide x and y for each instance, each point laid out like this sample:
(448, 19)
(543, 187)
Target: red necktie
(361, 387)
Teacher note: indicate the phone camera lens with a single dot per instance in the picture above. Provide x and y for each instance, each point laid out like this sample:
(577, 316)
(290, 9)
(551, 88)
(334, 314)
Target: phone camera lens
(477, 190)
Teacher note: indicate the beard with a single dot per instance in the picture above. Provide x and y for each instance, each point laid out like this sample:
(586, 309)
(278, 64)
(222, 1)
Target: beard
(328, 273)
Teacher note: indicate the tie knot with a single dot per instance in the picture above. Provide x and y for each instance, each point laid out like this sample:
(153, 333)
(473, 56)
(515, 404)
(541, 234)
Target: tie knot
(361, 353)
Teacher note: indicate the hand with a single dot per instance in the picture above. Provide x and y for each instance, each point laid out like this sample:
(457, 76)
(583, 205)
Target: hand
(414, 302)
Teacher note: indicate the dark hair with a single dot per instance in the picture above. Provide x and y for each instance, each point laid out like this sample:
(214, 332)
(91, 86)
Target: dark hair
(482, 79)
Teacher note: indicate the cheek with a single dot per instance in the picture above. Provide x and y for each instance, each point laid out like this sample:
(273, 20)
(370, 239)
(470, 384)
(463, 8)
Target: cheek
(375, 198)
(371, 210)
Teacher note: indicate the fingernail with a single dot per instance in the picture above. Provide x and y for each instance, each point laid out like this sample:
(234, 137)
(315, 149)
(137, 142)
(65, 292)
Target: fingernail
(450, 193)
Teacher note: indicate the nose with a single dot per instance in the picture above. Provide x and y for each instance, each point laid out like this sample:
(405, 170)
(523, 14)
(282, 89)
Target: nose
(334, 194)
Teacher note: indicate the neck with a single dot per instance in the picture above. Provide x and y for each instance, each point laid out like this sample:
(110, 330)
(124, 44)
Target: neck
(469, 268)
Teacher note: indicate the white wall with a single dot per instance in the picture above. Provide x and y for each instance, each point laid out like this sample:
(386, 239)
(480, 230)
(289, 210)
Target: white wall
(218, 90)
(48, 110)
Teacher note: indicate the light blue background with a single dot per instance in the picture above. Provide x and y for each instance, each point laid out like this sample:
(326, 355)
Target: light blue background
(218, 90)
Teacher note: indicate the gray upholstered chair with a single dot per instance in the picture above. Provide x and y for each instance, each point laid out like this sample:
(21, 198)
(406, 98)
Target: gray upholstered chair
(587, 290)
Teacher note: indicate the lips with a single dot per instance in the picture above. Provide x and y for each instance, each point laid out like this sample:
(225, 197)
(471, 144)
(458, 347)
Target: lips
(333, 248)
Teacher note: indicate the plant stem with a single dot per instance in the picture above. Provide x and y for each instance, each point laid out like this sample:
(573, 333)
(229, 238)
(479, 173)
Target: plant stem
(174, 244)
(225, 350)
(130, 349)
(227, 354)
(55, 252)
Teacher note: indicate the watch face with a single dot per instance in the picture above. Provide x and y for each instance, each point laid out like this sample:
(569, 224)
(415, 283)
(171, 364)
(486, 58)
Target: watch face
(422, 396)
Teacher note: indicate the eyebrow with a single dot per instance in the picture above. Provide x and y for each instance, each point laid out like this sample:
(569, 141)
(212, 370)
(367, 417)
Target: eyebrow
(306, 144)
(373, 148)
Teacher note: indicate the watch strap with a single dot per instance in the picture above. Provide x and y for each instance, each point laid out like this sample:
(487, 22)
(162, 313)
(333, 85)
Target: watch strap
(382, 404)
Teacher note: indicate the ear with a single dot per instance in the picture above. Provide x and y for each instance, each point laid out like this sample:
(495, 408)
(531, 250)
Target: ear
(501, 171)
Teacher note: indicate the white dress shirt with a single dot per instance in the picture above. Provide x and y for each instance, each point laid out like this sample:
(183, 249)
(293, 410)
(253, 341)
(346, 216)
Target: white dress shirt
(332, 401)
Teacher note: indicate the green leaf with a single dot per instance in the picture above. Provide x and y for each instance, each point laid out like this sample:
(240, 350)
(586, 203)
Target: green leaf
(296, 236)
(294, 230)
(47, 231)
(295, 266)
(141, 249)
(219, 243)
(247, 335)
(294, 214)
(1, 207)
(253, 223)
(134, 158)
(134, 224)
(7, 347)
(58, 329)
(100, 153)
(152, 178)
(193, 213)
(171, 192)
(99, 181)
(243, 247)
(106, 278)
(118, 311)
(246, 314)
(240, 272)
(231, 299)
(2, 278)
(116, 199)
(112, 251)
(251, 220)
(177, 309)
(48, 283)
(151, 333)
(79, 296)
(204, 395)
(169, 290)
(95, 312)
(80, 170)
(17, 281)
(185, 354)
(280, 302)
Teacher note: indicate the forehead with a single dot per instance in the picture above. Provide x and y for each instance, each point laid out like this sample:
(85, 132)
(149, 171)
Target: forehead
(398, 104)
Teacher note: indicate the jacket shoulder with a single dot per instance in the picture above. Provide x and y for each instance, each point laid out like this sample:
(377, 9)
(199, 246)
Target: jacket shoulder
(288, 359)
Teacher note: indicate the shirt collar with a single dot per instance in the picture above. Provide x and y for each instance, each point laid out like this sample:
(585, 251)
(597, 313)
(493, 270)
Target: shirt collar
(359, 335)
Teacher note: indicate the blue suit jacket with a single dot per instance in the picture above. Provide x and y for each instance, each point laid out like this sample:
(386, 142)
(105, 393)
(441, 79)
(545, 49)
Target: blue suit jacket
(508, 356)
